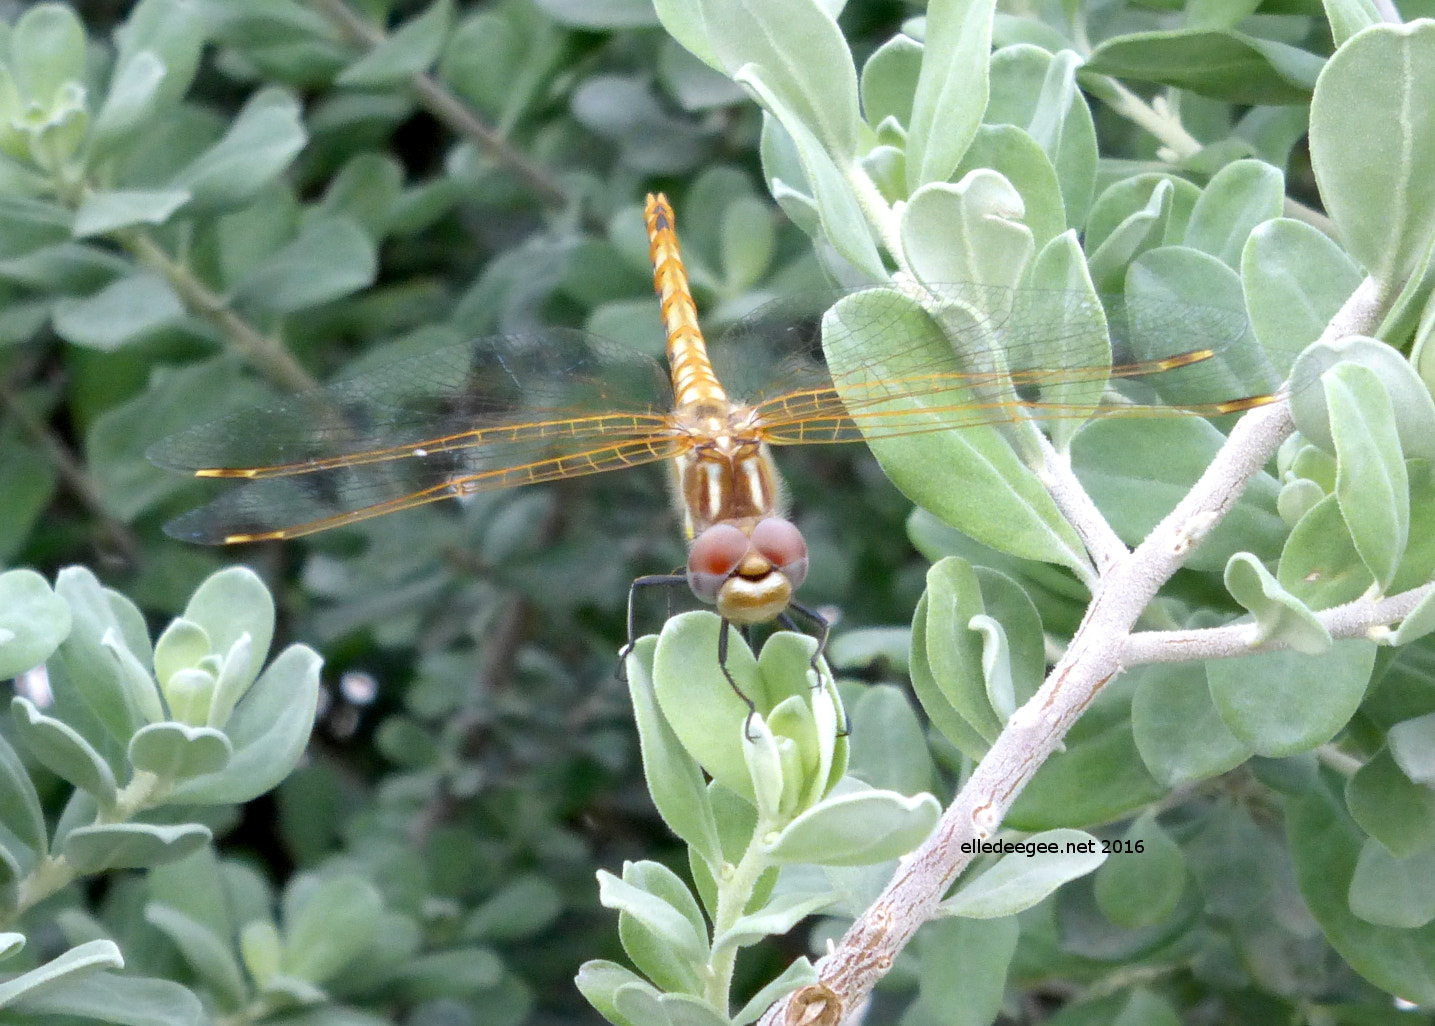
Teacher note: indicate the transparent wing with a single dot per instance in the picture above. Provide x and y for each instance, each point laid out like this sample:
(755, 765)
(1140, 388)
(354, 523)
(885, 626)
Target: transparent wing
(824, 367)
(484, 415)
(879, 362)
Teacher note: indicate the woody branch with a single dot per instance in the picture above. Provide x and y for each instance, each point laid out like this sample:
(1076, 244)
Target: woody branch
(1098, 652)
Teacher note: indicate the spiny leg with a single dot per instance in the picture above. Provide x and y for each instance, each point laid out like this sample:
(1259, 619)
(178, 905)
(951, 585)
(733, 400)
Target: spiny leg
(652, 580)
(722, 664)
(824, 631)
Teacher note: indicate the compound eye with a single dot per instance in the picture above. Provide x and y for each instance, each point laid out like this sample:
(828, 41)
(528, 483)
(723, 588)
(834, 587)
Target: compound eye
(782, 545)
(714, 558)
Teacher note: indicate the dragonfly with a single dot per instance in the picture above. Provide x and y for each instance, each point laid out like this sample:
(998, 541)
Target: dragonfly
(502, 412)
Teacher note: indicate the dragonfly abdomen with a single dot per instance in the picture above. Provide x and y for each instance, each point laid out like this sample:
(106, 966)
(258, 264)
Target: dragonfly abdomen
(694, 380)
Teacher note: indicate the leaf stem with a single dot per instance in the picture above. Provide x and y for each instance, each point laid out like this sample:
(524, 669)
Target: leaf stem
(883, 218)
(1157, 118)
(144, 791)
(734, 890)
(1079, 509)
(53, 873)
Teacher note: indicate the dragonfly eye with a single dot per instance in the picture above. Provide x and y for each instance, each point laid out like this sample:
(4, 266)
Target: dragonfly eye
(782, 545)
(714, 557)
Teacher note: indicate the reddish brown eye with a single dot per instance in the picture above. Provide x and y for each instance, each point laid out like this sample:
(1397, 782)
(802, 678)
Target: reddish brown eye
(714, 557)
(782, 545)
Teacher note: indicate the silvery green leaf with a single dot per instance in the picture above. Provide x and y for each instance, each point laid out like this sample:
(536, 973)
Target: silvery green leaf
(134, 677)
(842, 217)
(1371, 482)
(261, 142)
(210, 956)
(189, 694)
(857, 828)
(409, 50)
(125, 310)
(951, 91)
(91, 849)
(182, 645)
(657, 915)
(62, 971)
(1019, 881)
(335, 925)
(600, 981)
(262, 950)
(132, 96)
(231, 603)
(20, 813)
(1371, 152)
(774, 919)
(675, 780)
(1418, 623)
(108, 211)
(178, 751)
(765, 767)
(1280, 616)
(62, 750)
(34, 620)
(234, 680)
(269, 731)
(799, 974)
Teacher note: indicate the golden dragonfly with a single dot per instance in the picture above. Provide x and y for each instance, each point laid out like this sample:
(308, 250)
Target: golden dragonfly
(507, 411)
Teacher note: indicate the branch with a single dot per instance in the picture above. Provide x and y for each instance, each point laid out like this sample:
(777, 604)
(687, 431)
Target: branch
(1363, 618)
(435, 98)
(69, 469)
(1079, 509)
(1035, 730)
(1388, 12)
(1096, 654)
(265, 353)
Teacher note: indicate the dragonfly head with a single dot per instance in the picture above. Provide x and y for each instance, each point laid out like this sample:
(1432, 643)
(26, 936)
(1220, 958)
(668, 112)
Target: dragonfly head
(749, 575)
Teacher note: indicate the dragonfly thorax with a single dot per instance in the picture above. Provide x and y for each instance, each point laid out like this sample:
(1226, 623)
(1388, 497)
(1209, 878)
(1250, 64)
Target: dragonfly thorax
(725, 478)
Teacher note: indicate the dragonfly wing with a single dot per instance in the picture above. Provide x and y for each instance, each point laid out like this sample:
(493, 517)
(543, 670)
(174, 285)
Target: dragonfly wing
(966, 355)
(289, 506)
(457, 420)
(574, 382)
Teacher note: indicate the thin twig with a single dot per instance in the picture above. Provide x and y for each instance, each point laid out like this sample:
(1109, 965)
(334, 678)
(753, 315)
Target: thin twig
(1079, 509)
(264, 352)
(71, 471)
(1294, 208)
(448, 108)
(436, 98)
(1158, 120)
(1388, 12)
(1362, 618)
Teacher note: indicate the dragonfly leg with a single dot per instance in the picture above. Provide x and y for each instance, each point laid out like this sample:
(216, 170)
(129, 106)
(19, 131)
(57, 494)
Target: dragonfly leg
(650, 581)
(722, 664)
(823, 630)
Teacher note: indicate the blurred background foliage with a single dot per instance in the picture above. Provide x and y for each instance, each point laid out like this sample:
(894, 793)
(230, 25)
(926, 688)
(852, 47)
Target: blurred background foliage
(299, 196)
